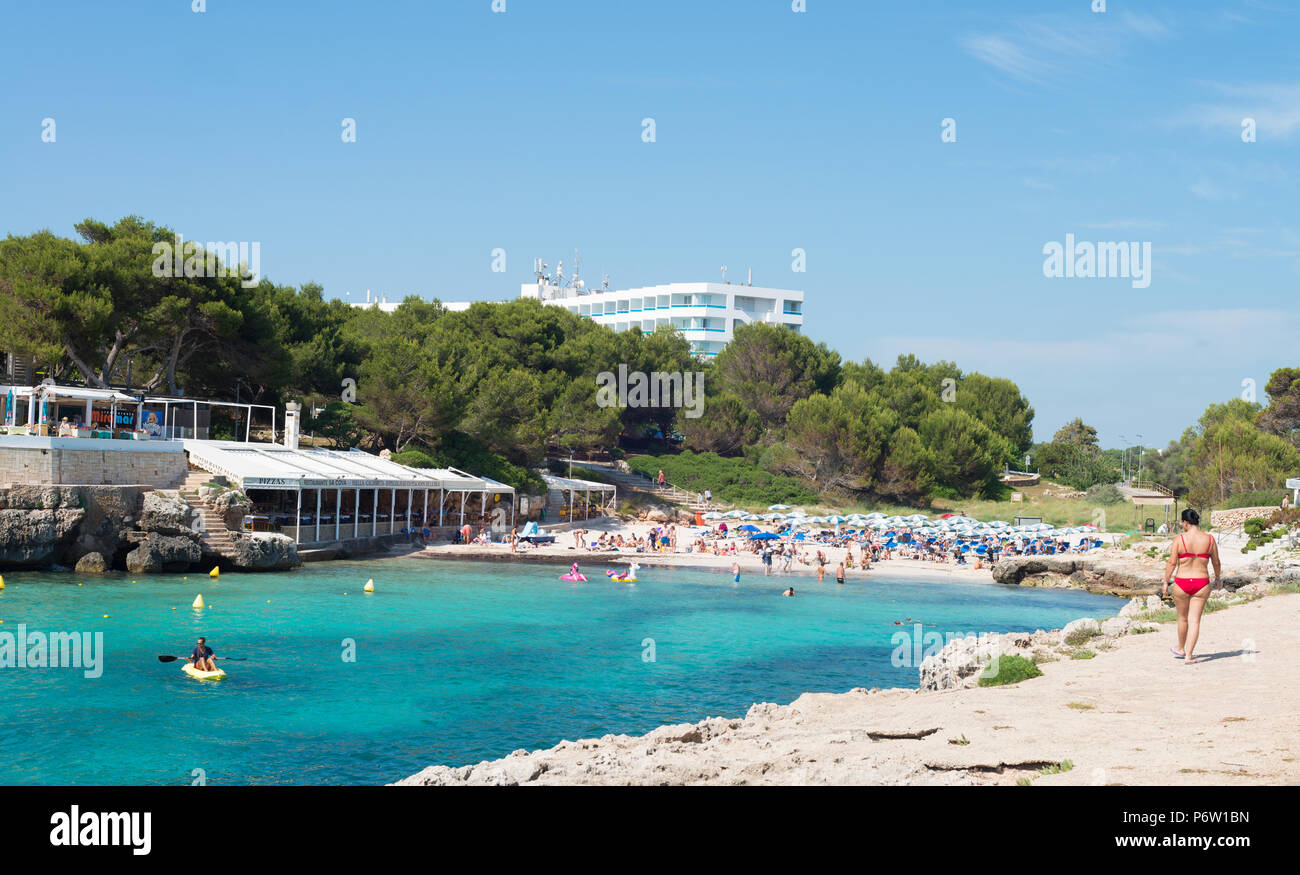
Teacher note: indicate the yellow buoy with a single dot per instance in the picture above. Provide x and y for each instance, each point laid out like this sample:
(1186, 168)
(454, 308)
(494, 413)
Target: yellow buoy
(198, 600)
(2, 581)
(215, 572)
(370, 585)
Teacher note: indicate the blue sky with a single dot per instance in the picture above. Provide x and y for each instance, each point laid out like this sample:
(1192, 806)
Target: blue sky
(774, 130)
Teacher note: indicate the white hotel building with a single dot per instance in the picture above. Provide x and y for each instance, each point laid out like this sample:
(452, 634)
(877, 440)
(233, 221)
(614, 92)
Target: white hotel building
(706, 313)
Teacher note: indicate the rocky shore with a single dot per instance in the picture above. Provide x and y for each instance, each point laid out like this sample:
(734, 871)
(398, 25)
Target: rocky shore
(1112, 706)
(126, 528)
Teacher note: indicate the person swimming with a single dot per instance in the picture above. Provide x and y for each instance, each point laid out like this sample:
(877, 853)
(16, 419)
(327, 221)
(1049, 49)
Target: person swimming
(735, 570)
(1191, 593)
(789, 592)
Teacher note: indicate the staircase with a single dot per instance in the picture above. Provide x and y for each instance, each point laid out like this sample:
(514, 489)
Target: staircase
(631, 482)
(214, 534)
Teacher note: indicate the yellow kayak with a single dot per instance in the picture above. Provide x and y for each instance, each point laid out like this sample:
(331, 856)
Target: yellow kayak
(193, 672)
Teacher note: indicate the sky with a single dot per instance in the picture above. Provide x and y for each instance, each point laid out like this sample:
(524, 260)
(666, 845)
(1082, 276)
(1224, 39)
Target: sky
(773, 130)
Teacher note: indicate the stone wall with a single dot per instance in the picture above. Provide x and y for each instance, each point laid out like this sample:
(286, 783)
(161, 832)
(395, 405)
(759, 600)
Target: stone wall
(61, 461)
(1231, 519)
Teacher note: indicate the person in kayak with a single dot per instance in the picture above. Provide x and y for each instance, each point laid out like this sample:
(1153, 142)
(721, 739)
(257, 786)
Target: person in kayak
(202, 656)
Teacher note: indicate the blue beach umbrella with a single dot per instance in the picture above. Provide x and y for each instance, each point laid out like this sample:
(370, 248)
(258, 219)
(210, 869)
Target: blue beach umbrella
(764, 536)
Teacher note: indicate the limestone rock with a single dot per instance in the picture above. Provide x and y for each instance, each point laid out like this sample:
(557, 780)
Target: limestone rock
(92, 563)
(1014, 569)
(164, 515)
(233, 506)
(961, 660)
(32, 537)
(1135, 606)
(1113, 627)
(1083, 625)
(158, 552)
(263, 552)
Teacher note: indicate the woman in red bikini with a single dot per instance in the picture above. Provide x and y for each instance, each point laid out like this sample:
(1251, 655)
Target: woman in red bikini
(1190, 556)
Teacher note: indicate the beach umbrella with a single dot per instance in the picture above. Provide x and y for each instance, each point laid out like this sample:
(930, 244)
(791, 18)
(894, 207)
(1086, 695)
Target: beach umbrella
(764, 536)
(713, 515)
(778, 507)
(837, 519)
(748, 528)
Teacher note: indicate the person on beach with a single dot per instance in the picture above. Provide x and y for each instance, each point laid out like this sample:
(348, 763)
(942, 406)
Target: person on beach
(661, 478)
(1190, 556)
(821, 573)
(514, 540)
(767, 562)
(839, 573)
(1286, 501)
(735, 571)
(203, 657)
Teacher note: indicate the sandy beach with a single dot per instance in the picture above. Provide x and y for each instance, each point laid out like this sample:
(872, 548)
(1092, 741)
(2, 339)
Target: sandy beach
(1132, 714)
(562, 553)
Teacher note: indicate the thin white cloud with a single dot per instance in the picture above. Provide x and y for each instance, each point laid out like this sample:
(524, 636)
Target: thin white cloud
(1031, 49)
(1275, 107)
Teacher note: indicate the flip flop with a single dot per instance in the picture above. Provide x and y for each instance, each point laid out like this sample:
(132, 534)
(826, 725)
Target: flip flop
(1195, 660)
(1177, 655)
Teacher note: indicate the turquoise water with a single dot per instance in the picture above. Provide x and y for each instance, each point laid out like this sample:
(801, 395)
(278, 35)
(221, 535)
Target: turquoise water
(454, 663)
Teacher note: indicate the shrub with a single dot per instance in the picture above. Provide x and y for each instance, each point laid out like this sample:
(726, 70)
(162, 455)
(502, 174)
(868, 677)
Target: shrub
(1254, 526)
(1105, 493)
(414, 459)
(1009, 670)
(732, 480)
(1287, 517)
(1080, 636)
(1261, 498)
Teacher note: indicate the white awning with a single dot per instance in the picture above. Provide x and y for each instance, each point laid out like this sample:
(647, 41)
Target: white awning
(82, 392)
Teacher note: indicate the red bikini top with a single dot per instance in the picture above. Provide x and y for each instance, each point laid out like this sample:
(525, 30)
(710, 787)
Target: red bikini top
(1197, 555)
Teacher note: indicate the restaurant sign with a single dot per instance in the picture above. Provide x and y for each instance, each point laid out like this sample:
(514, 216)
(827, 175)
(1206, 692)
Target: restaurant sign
(326, 483)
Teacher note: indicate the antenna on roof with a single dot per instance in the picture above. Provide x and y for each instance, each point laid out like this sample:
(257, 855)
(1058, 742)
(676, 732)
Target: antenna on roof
(751, 277)
(724, 273)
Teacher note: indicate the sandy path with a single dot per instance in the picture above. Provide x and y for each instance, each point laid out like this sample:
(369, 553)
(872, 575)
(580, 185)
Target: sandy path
(1131, 715)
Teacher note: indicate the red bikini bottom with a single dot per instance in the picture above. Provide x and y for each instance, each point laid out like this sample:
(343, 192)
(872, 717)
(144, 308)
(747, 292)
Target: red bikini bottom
(1192, 585)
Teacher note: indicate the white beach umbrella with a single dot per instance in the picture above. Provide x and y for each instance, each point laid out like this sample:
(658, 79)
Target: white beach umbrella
(713, 515)
(778, 507)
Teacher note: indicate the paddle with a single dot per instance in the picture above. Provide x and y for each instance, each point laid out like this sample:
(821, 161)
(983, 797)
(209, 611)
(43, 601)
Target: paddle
(230, 658)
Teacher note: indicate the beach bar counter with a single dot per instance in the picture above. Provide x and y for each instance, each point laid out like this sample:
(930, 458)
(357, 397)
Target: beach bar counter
(319, 496)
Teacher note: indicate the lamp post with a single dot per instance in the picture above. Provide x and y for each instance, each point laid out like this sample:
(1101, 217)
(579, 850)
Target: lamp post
(1124, 457)
(1141, 453)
